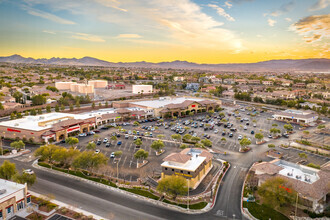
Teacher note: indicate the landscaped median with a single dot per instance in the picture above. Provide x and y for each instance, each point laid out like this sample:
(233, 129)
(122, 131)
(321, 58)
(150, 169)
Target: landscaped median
(142, 191)
(263, 212)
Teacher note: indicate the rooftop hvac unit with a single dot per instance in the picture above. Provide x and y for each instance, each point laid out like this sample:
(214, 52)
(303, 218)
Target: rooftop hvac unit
(16, 124)
(2, 191)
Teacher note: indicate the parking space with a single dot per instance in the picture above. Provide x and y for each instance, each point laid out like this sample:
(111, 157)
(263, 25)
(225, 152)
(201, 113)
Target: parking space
(292, 155)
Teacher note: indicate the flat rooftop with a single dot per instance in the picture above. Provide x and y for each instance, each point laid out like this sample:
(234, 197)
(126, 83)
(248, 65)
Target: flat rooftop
(298, 172)
(190, 165)
(9, 187)
(162, 101)
(32, 122)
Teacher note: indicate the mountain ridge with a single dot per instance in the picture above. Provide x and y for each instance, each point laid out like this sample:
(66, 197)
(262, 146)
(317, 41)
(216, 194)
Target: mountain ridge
(312, 64)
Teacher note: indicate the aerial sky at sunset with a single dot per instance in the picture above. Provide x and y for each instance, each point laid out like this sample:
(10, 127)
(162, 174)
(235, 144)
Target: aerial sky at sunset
(201, 31)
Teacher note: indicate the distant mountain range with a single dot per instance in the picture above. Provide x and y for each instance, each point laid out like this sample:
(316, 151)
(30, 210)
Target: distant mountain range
(308, 65)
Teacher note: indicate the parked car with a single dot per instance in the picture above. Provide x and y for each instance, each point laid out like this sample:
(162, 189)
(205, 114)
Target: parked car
(245, 128)
(231, 135)
(285, 135)
(239, 137)
(112, 155)
(126, 136)
(91, 133)
(82, 135)
(97, 151)
(270, 136)
(28, 171)
(254, 125)
(223, 133)
(252, 132)
(105, 128)
(119, 143)
(98, 142)
(216, 131)
(105, 140)
(107, 144)
(96, 131)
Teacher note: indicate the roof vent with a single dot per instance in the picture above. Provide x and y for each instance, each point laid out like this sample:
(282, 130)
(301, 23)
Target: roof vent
(2, 191)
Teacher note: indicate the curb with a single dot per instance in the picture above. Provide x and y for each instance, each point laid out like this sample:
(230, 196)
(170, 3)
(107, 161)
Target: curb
(16, 155)
(62, 204)
(207, 208)
(242, 192)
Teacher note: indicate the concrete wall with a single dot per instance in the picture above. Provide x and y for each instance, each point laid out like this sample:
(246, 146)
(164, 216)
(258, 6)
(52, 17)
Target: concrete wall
(64, 85)
(138, 89)
(98, 83)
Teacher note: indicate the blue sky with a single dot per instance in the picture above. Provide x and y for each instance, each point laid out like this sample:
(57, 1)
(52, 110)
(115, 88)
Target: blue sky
(164, 30)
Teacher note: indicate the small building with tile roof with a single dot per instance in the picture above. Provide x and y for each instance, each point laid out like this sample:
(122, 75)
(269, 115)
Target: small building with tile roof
(191, 163)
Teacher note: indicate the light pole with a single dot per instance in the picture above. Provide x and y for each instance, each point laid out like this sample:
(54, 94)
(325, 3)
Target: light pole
(117, 171)
(188, 196)
(295, 213)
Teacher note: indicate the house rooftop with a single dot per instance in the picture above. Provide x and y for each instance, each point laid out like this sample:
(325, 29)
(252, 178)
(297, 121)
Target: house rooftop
(162, 101)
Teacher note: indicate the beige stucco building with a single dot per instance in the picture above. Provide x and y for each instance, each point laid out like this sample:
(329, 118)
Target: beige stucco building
(141, 89)
(98, 83)
(14, 197)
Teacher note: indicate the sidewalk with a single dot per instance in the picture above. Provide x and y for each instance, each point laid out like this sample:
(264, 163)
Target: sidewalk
(15, 155)
(61, 204)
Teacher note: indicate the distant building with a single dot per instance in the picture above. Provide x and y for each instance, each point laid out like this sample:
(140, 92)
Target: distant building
(310, 184)
(141, 89)
(296, 116)
(98, 83)
(178, 78)
(191, 163)
(117, 86)
(299, 85)
(75, 87)
(268, 83)
(14, 197)
(64, 85)
(192, 86)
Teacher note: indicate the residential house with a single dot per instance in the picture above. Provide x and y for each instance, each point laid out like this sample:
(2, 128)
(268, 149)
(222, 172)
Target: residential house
(268, 83)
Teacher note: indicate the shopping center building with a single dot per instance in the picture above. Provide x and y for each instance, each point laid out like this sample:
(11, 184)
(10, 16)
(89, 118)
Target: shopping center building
(57, 126)
(172, 106)
(296, 116)
(191, 163)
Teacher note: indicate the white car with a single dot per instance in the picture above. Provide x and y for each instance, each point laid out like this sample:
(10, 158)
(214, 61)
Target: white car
(245, 128)
(105, 140)
(254, 125)
(240, 137)
(82, 135)
(28, 171)
(134, 138)
(97, 151)
(216, 131)
(112, 155)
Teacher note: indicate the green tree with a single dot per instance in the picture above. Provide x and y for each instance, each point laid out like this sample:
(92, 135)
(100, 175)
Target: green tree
(65, 156)
(71, 141)
(277, 192)
(19, 115)
(12, 116)
(33, 112)
(288, 127)
(259, 136)
(157, 145)
(7, 170)
(173, 186)
(96, 136)
(71, 107)
(38, 100)
(176, 137)
(223, 139)
(303, 155)
(17, 145)
(186, 137)
(106, 104)
(136, 123)
(195, 139)
(48, 109)
(221, 114)
(271, 145)
(91, 146)
(77, 104)
(93, 105)
(46, 152)
(39, 111)
(274, 131)
(89, 160)
(29, 179)
(57, 108)
(1, 106)
(160, 136)
(183, 146)
(244, 143)
(118, 153)
(62, 107)
(141, 154)
(138, 142)
(113, 138)
(206, 142)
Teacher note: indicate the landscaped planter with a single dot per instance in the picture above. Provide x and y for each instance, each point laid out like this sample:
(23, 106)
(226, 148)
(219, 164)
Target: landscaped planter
(160, 152)
(260, 142)
(245, 150)
(139, 165)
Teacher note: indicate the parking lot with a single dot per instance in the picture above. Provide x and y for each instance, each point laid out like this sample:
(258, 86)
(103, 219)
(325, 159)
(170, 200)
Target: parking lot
(127, 164)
